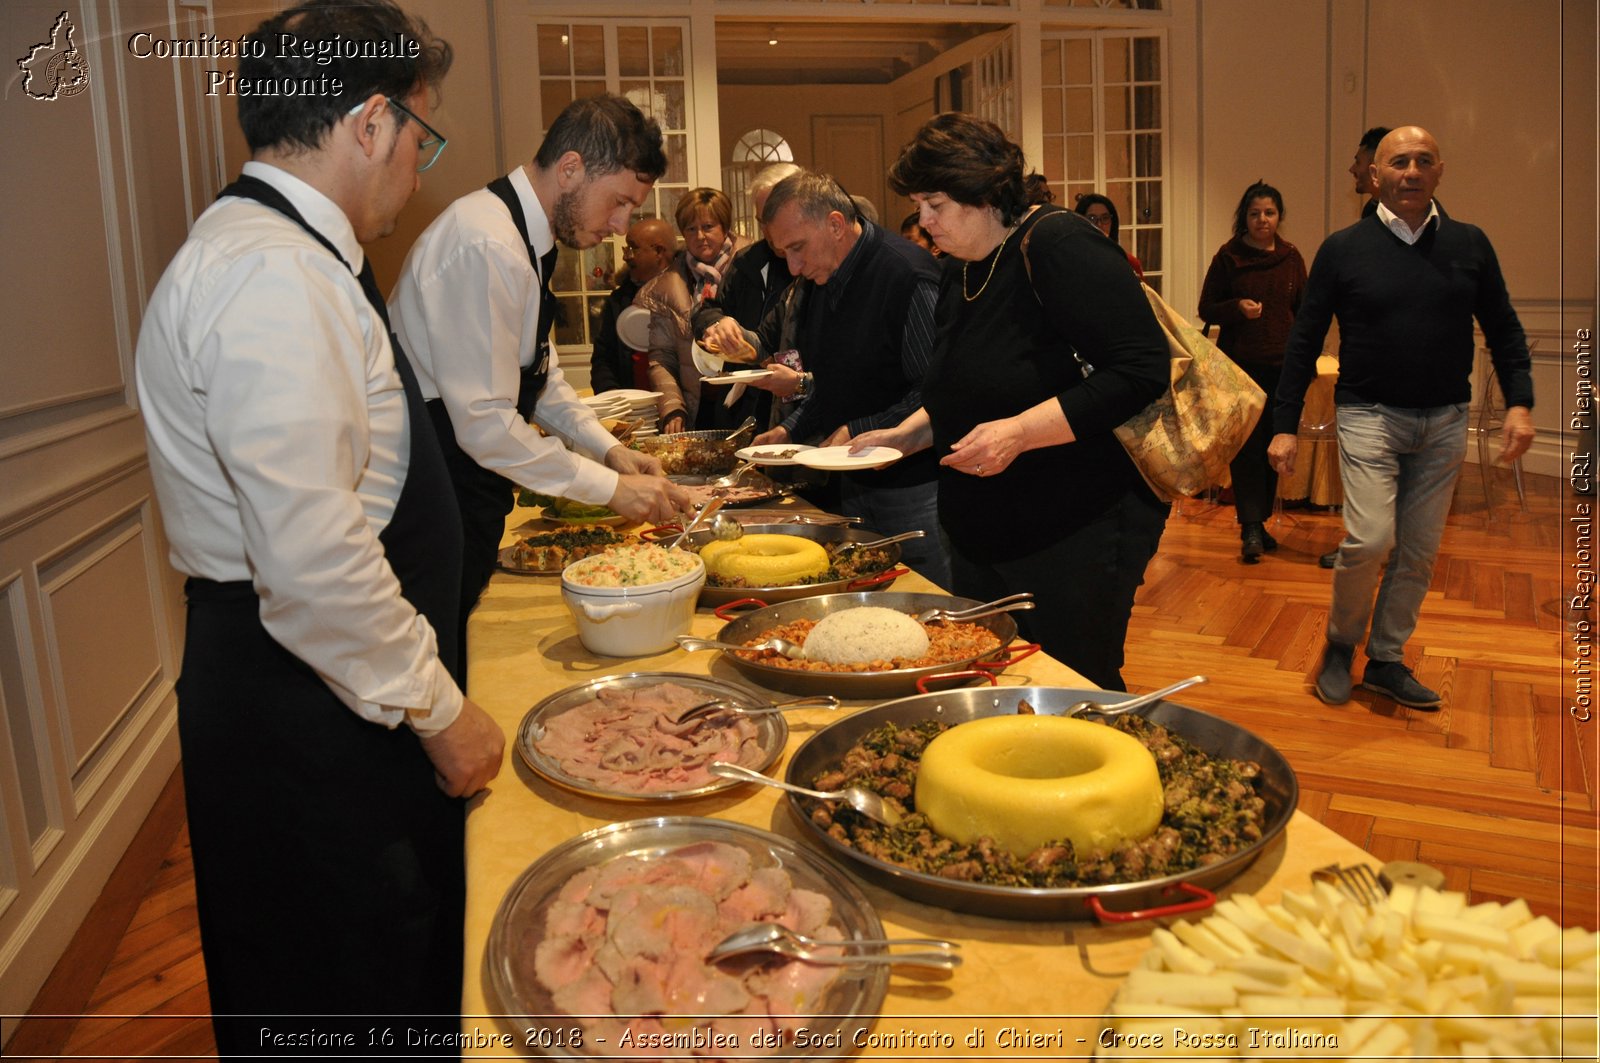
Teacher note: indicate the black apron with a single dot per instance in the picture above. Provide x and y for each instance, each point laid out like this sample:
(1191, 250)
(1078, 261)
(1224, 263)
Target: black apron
(329, 866)
(483, 495)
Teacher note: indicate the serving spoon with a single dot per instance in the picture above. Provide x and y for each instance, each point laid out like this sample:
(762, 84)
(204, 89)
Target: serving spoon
(1119, 708)
(782, 647)
(859, 798)
(779, 939)
(875, 543)
(722, 706)
(707, 510)
(1009, 604)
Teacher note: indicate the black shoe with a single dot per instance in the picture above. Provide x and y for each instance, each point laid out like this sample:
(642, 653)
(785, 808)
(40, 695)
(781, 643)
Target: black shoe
(1328, 560)
(1268, 541)
(1333, 679)
(1396, 681)
(1253, 543)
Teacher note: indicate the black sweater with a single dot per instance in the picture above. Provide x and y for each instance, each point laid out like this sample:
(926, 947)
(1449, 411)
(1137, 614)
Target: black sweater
(1405, 320)
(745, 295)
(1009, 349)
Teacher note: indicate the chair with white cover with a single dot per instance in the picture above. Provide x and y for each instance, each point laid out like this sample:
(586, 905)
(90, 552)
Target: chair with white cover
(1487, 421)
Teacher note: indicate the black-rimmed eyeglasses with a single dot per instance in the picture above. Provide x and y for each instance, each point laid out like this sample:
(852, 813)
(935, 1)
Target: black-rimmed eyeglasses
(430, 147)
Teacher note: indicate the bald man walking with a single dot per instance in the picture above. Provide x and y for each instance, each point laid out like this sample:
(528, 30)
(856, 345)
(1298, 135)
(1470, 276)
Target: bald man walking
(1406, 283)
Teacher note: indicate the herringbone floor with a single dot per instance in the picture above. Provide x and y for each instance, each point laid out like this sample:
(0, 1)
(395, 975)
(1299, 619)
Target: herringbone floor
(1497, 789)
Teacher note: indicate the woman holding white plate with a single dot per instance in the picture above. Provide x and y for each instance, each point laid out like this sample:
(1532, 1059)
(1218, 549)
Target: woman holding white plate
(1046, 343)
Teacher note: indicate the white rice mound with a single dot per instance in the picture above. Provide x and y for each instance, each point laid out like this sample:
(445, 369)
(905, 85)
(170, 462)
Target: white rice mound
(866, 633)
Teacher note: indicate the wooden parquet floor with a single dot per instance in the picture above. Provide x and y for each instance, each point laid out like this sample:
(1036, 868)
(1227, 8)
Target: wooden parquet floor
(1497, 790)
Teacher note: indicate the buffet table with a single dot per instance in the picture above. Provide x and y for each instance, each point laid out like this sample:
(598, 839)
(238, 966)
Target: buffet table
(1027, 990)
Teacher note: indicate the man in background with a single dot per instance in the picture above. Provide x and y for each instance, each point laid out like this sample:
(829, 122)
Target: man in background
(647, 251)
(326, 742)
(865, 335)
(473, 306)
(1366, 185)
(1406, 283)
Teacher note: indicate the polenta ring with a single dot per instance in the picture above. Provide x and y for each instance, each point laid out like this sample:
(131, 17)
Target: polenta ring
(1026, 781)
(765, 560)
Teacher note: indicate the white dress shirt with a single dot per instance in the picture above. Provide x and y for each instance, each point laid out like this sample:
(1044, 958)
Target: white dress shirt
(466, 310)
(1397, 225)
(279, 443)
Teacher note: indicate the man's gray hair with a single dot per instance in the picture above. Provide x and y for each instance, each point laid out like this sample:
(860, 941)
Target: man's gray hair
(815, 194)
(770, 176)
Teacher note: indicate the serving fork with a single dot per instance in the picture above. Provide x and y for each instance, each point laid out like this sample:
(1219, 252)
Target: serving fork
(779, 939)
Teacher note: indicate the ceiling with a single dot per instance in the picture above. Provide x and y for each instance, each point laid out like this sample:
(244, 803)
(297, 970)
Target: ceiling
(832, 53)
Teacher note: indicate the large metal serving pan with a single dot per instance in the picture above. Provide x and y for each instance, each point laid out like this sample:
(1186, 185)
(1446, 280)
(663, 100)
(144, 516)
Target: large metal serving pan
(852, 1003)
(897, 682)
(818, 533)
(771, 729)
(719, 450)
(1218, 737)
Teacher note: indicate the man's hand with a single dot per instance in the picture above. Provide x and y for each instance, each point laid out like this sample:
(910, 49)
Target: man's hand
(649, 498)
(779, 434)
(1517, 435)
(783, 382)
(627, 460)
(838, 437)
(726, 338)
(466, 755)
(1282, 451)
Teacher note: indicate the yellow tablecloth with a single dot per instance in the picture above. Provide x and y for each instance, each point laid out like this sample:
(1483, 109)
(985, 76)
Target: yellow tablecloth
(1316, 473)
(1048, 980)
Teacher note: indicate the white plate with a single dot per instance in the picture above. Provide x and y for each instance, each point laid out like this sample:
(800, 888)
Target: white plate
(834, 459)
(633, 328)
(768, 453)
(633, 396)
(738, 376)
(709, 364)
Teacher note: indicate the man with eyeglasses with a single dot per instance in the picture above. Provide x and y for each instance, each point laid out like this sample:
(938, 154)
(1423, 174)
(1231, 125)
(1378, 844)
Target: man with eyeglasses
(327, 746)
(474, 307)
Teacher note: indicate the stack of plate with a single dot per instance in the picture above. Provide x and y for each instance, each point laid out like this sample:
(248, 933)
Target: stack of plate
(627, 404)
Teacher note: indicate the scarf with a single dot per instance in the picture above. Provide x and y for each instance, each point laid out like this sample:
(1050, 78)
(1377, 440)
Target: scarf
(705, 277)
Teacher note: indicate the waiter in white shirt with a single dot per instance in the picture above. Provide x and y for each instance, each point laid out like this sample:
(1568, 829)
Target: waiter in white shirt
(473, 308)
(326, 744)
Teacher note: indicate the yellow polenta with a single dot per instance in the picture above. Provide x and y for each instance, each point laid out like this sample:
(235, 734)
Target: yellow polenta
(1028, 780)
(765, 560)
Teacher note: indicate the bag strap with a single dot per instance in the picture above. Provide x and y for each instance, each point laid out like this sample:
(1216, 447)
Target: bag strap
(1027, 266)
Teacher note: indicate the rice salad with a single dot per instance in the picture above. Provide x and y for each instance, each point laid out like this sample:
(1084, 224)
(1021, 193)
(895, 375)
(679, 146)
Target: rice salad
(637, 565)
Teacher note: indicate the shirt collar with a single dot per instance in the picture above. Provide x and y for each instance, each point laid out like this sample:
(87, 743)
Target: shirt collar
(1398, 226)
(320, 212)
(539, 228)
(841, 276)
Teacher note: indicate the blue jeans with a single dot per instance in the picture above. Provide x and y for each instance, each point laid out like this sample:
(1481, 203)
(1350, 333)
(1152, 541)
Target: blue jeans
(892, 510)
(1399, 468)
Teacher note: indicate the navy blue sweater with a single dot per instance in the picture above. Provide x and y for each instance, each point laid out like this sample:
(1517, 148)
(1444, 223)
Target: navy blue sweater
(1405, 320)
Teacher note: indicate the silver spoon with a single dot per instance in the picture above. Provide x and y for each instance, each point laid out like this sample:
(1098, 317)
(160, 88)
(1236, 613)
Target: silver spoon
(1009, 604)
(733, 436)
(1121, 707)
(707, 510)
(775, 937)
(722, 706)
(726, 528)
(733, 478)
(875, 543)
(859, 798)
(782, 647)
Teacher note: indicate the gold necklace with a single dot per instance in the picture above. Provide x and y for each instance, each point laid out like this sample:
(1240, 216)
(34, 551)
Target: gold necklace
(992, 265)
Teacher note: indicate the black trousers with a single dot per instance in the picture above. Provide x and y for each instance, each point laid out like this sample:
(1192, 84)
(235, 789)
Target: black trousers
(1083, 585)
(1255, 483)
(484, 497)
(329, 866)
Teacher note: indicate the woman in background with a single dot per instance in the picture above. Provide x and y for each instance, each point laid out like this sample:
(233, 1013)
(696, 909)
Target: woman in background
(704, 217)
(1253, 290)
(1103, 213)
(1018, 421)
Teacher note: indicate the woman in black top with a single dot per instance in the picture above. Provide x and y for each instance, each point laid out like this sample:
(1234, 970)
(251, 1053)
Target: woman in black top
(1046, 343)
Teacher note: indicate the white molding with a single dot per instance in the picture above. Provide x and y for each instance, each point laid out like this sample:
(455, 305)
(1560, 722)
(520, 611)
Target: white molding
(52, 914)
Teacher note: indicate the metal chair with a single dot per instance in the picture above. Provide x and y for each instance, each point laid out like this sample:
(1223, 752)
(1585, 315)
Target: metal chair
(1486, 424)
